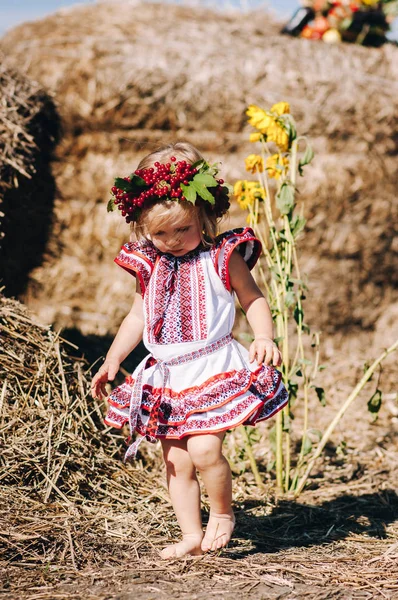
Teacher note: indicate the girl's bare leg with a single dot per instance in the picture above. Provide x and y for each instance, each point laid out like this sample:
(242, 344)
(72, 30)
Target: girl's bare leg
(185, 497)
(206, 454)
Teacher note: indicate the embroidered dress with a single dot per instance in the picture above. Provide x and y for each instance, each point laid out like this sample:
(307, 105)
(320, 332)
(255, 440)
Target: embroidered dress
(197, 379)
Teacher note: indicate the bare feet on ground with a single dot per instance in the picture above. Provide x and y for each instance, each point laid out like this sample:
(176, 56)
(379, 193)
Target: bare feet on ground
(218, 531)
(189, 545)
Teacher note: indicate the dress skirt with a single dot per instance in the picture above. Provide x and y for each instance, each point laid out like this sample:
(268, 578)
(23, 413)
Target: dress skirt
(227, 391)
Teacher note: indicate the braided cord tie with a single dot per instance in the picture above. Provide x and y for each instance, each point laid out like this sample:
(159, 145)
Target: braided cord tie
(136, 394)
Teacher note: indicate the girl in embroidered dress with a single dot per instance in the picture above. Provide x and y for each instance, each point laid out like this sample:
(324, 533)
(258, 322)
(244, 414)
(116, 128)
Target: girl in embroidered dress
(197, 381)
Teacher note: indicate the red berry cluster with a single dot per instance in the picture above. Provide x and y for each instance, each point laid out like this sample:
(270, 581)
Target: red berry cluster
(161, 182)
(165, 179)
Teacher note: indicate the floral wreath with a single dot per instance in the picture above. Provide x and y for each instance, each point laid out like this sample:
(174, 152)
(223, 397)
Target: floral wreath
(176, 180)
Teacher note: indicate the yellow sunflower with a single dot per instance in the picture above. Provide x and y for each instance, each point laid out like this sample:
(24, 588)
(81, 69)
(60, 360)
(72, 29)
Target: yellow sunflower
(281, 108)
(254, 163)
(259, 119)
(278, 134)
(255, 137)
(246, 193)
(275, 165)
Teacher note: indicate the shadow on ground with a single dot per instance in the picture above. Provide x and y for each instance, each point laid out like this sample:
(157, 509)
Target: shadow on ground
(292, 524)
(93, 349)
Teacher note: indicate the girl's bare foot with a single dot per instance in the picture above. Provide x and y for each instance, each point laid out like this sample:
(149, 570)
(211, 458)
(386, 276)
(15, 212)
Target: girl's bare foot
(218, 531)
(189, 545)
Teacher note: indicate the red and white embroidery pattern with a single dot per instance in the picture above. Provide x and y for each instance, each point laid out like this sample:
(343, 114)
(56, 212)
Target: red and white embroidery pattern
(242, 240)
(176, 296)
(138, 258)
(176, 407)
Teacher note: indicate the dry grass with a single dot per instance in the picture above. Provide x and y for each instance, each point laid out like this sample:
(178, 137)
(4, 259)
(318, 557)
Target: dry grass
(28, 131)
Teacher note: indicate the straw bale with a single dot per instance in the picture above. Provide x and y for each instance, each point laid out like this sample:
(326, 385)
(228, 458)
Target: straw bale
(28, 130)
(130, 76)
(168, 67)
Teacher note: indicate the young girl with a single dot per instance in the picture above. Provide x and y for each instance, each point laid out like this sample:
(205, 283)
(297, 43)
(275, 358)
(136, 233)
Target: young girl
(197, 381)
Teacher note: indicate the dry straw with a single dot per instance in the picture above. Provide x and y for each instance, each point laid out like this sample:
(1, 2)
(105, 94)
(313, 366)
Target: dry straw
(28, 131)
(59, 464)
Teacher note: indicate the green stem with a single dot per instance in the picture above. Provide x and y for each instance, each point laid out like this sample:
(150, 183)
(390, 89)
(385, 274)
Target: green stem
(325, 438)
(252, 460)
(287, 454)
(279, 451)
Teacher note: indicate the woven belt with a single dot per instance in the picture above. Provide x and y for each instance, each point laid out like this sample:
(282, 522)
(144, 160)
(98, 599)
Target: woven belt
(136, 394)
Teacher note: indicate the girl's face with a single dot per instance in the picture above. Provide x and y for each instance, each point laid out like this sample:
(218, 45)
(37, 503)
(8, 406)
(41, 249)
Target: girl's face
(173, 229)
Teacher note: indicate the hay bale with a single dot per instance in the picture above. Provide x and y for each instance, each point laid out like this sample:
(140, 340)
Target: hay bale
(28, 129)
(161, 66)
(52, 435)
(62, 477)
(132, 76)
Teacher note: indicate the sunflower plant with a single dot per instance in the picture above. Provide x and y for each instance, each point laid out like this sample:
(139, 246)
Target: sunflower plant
(273, 212)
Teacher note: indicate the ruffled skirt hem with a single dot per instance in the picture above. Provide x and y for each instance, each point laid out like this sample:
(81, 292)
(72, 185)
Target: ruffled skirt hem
(223, 402)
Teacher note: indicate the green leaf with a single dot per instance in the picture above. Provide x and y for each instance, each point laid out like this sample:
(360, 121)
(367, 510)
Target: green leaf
(122, 184)
(374, 403)
(285, 198)
(365, 368)
(137, 181)
(110, 207)
(315, 432)
(205, 179)
(270, 465)
(202, 191)
(320, 392)
(199, 164)
(285, 422)
(307, 445)
(130, 186)
(306, 159)
(293, 390)
(290, 298)
(189, 192)
(298, 314)
(322, 367)
(341, 449)
(298, 224)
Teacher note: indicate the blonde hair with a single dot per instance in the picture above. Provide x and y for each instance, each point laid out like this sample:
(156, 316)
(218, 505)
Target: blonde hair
(206, 218)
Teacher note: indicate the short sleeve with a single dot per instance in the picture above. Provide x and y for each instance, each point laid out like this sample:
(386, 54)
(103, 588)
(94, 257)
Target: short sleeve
(138, 258)
(244, 241)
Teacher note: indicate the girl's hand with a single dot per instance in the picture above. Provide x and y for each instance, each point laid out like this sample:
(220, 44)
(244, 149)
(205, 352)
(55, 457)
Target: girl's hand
(266, 351)
(106, 373)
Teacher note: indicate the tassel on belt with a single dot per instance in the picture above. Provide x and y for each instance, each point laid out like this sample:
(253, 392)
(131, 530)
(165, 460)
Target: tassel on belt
(163, 365)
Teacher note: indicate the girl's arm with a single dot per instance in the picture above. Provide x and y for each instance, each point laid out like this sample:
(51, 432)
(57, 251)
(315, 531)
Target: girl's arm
(257, 312)
(127, 338)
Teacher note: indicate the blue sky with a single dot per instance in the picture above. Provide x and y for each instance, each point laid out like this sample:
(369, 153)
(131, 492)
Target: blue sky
(13, 12)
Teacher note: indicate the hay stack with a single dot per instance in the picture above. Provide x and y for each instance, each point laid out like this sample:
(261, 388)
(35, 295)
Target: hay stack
(128, 77)
(52, 434)
(63, 484)
(28, 129)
